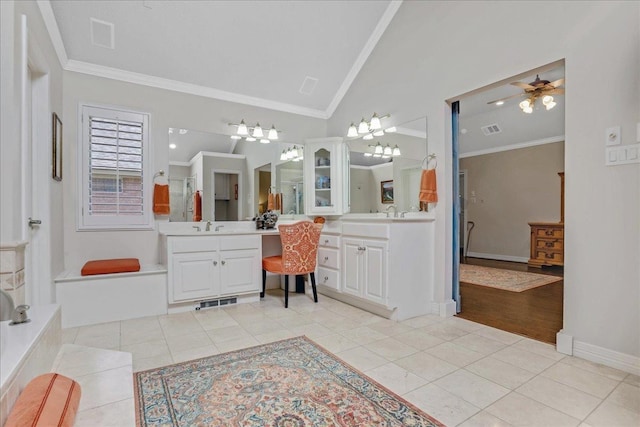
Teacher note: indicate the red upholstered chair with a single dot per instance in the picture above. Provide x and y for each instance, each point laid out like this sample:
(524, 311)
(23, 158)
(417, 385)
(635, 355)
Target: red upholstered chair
(299, 255)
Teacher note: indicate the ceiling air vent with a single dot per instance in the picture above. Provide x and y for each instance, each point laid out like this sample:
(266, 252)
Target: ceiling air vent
(491, 129)
(308, 85)
(102, 33)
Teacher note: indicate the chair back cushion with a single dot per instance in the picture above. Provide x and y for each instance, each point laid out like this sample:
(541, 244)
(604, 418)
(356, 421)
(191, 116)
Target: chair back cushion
(299, 246)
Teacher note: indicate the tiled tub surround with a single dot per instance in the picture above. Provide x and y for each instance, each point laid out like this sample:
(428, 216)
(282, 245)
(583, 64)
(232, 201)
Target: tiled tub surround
(27, 350)
(12, 270)
(460, 372)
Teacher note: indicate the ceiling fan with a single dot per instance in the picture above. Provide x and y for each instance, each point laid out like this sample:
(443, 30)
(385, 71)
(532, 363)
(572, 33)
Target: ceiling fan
(536, 89)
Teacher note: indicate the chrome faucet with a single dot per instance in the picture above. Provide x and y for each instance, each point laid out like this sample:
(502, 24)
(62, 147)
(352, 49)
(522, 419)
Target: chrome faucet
(403, 213)
(395, 210)
(218, 227)
(197, 227)
(208, 227)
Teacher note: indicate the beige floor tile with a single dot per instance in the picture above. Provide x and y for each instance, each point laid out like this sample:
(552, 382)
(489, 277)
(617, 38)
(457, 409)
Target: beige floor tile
(134, 336)
(312, 331)
(627, 396)
(594, 384)
(633, 380)
(422, 321)
(176, 324)
(566, 399)
(178, 343)
(464, 324)
(524, 359)
(214, 319)
(389, 327)
(363, 335)
(541, 348)
(419, 339)
(479, 343)
(426, 366)
(442, 405)
(335, 343)
(237, 344)
(596, 368)
(107, 342)
(194, 353)
(472, 388)
(520, 410)
(484, 419)
(147, 349)
(395, 378)
(500, 372)
(98, 330)
(273, 336)
(118, 414)
(149, 323)
(444, 331)
(455, 354)
(498, 335)
(143, 364)
(362, 358)
(391, 349)
(105, 387)
(69, 335)
(610, 415)
(227, 334)
(90, 360)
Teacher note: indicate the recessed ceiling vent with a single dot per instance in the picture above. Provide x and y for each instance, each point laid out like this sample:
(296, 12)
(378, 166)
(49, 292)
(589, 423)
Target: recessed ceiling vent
(491, 129)
(102, 33)
(308, 85)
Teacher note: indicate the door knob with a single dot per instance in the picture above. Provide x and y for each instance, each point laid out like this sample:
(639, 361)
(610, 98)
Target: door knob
(34, 222)
(215, 262)
(223, 262)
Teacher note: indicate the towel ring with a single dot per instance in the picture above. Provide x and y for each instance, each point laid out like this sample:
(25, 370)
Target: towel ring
(428, 160)
(159, 173)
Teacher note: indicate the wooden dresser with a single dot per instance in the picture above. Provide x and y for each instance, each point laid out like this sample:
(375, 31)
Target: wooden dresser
(547, 238)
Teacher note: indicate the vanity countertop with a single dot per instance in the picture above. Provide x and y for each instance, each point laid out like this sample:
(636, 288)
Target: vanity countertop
(222, 232)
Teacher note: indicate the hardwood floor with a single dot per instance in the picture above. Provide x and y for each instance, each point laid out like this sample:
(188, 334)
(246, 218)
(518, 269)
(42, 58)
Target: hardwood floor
(536, 313)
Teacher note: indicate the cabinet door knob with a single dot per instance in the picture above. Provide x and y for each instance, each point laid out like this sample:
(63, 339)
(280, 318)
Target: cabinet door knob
(326, 278)
(326, 258)
(326, 241)
(223, 262)
(215, 262)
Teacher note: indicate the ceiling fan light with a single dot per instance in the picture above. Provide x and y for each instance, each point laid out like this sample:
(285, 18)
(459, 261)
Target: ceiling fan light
(387, 150)
(547, 99)
(257, 131)
(396, 151)
(250, 139)
(500, 103)
(236, 137)
(242, 128)
(528, 110)
(378, 149)
(375, 122)
(273, 133)
(353, 131)
(368, 137)
(524, 104)
(391, 129)
(379, 132)
(363, 127)
(550, 105)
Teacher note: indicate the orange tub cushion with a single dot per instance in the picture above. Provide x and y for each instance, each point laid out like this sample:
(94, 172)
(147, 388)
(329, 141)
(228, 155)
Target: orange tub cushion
(48, 400)
(107, 266)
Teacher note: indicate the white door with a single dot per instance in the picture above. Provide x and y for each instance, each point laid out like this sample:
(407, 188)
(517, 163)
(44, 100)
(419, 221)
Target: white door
(240, 271)
(194, 276)
(352, 265)
(375, 271)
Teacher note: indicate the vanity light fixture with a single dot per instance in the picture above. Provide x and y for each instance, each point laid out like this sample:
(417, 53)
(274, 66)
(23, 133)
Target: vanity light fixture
(353, 131)
(294, 153)
(184, 131)
(372, 128)
(172, 146)
(368, 137)
(254, 133)
(374, 124)
(383, 151)
(499, 103)
(392, 129)
(379, 132)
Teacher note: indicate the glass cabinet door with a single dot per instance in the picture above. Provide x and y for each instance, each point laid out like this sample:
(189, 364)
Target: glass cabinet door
(324, 196)
(323, 176)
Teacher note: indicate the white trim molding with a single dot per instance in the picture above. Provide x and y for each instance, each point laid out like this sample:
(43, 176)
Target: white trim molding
(550, 140)
(497, 257)
(614, 359)
(54, 32)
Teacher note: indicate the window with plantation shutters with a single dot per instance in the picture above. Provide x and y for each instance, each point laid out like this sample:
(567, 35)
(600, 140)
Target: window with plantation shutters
(115, 179)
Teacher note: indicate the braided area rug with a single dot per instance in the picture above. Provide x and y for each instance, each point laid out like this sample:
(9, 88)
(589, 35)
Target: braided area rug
(289, 383)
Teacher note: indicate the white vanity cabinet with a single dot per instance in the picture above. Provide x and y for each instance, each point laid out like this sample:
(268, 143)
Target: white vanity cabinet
(328, 264)
(206, 267)
(326, 176)
(365, 268)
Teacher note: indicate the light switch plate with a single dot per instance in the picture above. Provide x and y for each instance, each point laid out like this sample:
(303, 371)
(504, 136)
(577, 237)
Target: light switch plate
(612, 136)
(622, 155)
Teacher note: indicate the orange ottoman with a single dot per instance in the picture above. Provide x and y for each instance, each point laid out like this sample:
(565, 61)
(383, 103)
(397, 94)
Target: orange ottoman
(48, 400)
(107, 266)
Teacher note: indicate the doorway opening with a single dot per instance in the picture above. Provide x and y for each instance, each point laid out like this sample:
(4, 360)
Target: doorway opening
(227, 189)
(262, 177)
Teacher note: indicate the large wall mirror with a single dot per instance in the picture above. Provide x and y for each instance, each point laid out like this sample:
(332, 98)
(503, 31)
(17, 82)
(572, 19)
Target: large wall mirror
(290, 183)
(201, 161)
(377, 182)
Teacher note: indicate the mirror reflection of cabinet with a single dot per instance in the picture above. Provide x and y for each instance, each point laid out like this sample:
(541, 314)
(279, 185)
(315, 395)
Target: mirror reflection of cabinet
(326, 169)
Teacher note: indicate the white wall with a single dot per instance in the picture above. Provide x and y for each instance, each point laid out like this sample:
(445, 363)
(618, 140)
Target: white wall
(167, 109)
(434, 51)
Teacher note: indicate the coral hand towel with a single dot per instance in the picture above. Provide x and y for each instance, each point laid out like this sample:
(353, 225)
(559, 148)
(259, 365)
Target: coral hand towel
(278, 202)
(428, 187)
(161, 199)
(197, 207)
(270, 202)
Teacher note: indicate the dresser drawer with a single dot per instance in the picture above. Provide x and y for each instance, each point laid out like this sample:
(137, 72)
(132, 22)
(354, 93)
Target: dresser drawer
(550, 244)
(551, 232)
(329, 278)
(549, 256)
(329, 241)
(328, 257)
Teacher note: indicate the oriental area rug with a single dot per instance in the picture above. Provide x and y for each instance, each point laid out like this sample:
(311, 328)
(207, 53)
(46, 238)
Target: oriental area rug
(289, 383)
(508, 280)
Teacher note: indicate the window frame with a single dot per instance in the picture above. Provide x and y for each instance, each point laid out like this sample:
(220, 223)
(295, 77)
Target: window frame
(112, 222)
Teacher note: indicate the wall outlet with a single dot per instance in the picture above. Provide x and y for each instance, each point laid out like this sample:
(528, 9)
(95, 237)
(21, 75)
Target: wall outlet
(612, 136)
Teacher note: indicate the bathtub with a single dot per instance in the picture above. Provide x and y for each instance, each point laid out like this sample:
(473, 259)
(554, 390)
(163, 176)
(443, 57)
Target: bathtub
(26, 351)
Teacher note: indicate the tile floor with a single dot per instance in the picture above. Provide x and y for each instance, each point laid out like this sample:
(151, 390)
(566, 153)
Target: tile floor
(460, 372)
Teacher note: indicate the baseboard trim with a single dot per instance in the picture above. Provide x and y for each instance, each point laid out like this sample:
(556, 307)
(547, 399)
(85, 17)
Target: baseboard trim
(497, 257)
(614, 359)
(447, 308)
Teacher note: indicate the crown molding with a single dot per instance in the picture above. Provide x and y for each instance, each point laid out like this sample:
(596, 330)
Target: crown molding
(384, 22)
(54, 32)
(177, 86)
(550, 140)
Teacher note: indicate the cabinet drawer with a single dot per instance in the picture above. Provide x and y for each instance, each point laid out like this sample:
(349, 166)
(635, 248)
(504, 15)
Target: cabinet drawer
(545, 255)
(328, 257)
(230, 243)
(550, 244)
(549, 232)
(380, 231)
(329, 241)
(328, 278)
(194, 244)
